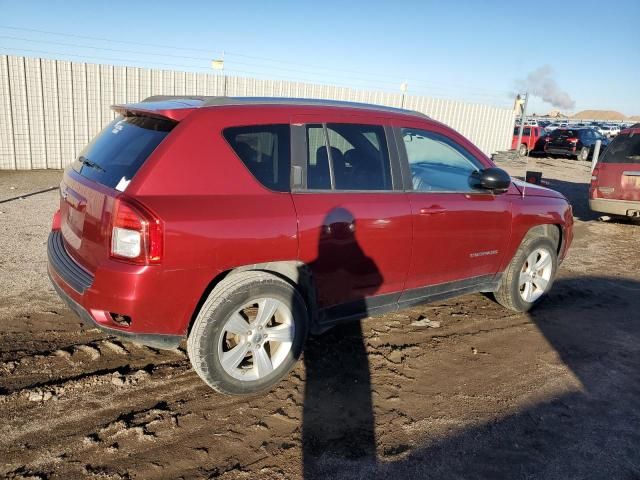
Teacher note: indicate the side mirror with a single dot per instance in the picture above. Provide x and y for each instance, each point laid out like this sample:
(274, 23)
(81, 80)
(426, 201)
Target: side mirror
(493, 179)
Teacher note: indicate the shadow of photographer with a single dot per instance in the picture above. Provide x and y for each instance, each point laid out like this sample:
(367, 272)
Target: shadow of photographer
(593, 325)
(338, 415)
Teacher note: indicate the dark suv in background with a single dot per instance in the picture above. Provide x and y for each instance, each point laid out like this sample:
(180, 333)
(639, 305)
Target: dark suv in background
(573, 142)
(243, 224)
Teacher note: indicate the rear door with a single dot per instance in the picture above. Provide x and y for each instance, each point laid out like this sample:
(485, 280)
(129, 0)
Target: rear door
(354, 219)
(98, 175)
(618, 174)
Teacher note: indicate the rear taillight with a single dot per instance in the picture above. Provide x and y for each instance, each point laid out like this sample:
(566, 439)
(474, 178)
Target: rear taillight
(572, 140)
(136, 234)
(55, 223)
(594, 183)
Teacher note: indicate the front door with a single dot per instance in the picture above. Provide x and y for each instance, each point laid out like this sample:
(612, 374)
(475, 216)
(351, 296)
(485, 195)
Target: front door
(354, 221)
(460, 233)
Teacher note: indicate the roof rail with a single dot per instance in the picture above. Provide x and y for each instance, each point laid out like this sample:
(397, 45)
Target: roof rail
(209, 101)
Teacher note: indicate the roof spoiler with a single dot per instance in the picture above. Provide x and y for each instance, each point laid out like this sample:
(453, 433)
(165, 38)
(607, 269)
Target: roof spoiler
(161, 108)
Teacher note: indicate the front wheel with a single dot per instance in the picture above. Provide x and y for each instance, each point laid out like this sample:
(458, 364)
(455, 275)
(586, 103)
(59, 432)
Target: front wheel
(529, 276)
(248, 334)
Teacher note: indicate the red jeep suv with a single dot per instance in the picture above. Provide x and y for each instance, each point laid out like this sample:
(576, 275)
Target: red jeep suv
(615, 181)
(242, 224)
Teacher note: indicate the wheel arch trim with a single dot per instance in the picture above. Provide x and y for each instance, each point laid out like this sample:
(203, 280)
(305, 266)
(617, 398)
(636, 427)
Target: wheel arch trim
(294, 272)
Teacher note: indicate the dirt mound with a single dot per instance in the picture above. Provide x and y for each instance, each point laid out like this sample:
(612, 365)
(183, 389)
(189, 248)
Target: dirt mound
(599, 115)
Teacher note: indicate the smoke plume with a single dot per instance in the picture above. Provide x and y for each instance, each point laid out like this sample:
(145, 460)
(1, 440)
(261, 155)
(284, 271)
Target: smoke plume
(540, 83)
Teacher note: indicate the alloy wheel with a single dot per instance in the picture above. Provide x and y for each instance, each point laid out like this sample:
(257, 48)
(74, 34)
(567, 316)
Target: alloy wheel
(535, 275)
(256, 339)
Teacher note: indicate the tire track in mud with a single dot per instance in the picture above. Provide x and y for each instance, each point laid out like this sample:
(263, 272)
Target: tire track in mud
(52, 368)
(182, 421)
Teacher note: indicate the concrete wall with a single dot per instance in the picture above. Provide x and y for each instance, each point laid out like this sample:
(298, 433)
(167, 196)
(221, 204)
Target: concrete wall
(50, 109)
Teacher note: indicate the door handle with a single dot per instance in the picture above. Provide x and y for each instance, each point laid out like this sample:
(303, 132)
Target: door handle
(432, 210)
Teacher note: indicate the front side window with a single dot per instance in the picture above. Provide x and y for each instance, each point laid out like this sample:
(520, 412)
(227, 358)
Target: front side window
(265, 151)
(347, 157)
(437, 163)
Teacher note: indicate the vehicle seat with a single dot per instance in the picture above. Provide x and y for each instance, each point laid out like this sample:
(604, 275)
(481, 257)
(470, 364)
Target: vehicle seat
(319, 176)
(366, 171)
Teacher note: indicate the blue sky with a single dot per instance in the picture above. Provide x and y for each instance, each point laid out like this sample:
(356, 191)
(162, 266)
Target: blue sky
(468, 50)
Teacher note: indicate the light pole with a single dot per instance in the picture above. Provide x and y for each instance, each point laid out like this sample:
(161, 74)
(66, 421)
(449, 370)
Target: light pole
(522, 117)
(218, 64)
(403, 88)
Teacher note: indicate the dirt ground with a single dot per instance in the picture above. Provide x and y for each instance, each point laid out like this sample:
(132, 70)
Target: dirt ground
(553, 394)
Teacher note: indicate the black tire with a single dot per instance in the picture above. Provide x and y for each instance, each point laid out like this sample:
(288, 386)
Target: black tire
(583, 155)
(226, 298)
(508, 293)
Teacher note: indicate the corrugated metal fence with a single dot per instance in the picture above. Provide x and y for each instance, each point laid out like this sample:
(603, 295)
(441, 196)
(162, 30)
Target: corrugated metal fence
(50, 109)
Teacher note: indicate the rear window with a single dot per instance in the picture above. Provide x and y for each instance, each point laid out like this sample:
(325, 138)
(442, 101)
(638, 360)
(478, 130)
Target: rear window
(564, 133)
(624, 149)
(265, 151)
(117, 153)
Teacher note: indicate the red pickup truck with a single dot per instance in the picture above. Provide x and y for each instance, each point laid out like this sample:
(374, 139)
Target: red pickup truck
(532, 139)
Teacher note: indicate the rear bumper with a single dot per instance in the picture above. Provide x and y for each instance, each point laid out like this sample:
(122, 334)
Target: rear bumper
(614, 207)
(151, 340)
(117, 290)
(560, 151)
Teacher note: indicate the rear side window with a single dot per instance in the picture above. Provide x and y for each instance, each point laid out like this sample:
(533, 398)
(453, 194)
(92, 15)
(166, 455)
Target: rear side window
(526, 131)
(265, 151)
(344, 156)
(624, 149)
(117, 153)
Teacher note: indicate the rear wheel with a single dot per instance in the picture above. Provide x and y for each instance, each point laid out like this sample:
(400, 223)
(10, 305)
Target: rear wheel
(522, 150)
(583, 154)
(529, 276)
(248, 334)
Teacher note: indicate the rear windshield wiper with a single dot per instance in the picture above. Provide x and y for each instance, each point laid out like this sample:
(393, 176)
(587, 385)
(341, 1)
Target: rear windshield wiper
(85, 161)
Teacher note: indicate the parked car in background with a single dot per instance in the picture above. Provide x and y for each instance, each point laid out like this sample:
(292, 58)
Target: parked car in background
(532, 140)
(615, 182)
(242, 224)
(609, 130)
(552, 126)
(574, 142)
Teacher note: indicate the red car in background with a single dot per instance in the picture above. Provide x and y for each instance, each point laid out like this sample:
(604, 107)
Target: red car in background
(532, 139)
(615, 182)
